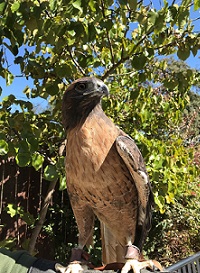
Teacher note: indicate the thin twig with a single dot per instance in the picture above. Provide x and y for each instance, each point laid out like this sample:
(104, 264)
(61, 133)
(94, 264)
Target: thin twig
(75, 62)
(123, 74)
(122, 60)
(113, 67)
(196, 19)
(107, 33)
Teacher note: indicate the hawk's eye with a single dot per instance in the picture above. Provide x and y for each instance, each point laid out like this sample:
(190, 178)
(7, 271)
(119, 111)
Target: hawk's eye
(81, 86)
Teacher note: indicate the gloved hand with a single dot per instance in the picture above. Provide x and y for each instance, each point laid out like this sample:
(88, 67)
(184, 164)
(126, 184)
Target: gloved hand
(42, 265)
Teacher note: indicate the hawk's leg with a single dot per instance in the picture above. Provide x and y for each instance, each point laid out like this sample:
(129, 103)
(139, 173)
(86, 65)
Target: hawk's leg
(85, 223)
(133, 261)
(133, 253)
(79, 258)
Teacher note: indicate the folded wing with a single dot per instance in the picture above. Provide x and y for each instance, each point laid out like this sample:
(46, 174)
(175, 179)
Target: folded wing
(133, 159)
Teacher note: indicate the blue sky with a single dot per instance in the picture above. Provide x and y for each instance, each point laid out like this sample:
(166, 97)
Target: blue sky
(20, 83)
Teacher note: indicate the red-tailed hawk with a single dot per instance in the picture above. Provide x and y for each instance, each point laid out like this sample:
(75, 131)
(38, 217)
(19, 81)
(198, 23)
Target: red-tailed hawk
(106, 177)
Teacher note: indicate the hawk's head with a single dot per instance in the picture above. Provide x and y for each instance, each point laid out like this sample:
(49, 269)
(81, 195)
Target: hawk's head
(80, 99)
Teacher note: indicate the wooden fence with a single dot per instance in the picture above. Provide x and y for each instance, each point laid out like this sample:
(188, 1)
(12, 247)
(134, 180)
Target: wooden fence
(25, 188)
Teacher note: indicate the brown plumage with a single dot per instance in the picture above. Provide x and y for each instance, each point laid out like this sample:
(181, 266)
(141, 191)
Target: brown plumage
(106, 175)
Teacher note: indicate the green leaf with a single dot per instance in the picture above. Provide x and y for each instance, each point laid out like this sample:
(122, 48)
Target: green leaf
(50, 173)
(15, 50)
(9, 78)
(37, 161)
(157, 164)
(123, 2)
(2, 6)
(32, 24)
(27, 217)
(62, 185)
(23, 147)
(12, 209)
(27, 91)
(62, 70)
(52, 89)
(15, 6)
(160, 202)
(132, 4)
(23, 157)
(77, 5)
(92, 5)
(145, 115)
(91, 32)
(71, 32)
(196, 4)
(8, 243)
(18, 60)
(12, 150)
(183, 53)
(153, 15)
(134, 94)
(33, 143)
(169, 198)
(138, 62)
(52, 4)
(3, 147)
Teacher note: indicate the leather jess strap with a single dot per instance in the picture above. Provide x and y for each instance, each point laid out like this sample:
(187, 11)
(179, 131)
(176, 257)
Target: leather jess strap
(81, 256)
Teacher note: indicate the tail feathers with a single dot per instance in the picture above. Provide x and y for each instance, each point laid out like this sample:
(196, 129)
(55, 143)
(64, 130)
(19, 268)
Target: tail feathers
(112, 250)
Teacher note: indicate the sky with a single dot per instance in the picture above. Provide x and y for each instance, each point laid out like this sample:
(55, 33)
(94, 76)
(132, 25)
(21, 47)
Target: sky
(20, 83)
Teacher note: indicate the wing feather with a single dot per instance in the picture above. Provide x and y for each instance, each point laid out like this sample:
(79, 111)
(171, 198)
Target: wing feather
(134, 161)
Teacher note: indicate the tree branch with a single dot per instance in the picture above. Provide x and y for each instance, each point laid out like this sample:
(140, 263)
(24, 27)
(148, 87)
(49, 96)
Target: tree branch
(42, 217)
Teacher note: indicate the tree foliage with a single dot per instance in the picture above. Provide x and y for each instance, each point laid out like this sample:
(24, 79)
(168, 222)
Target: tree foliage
(125, 43)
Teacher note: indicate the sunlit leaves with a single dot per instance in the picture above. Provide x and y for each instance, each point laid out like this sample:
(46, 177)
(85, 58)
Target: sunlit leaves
(50, 173)
(15, 6)
(2, 6)
(167, 168)
(3, 147)
(14, 210)
(62, 183)
(37, 160)
(196, 4)
(160, 202)
(153, 16)
(77, 5)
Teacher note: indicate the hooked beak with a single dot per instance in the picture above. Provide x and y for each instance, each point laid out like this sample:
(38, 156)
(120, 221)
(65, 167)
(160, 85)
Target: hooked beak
(103, 89)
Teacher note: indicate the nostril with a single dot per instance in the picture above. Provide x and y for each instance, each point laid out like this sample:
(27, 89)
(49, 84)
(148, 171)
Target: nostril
(105, 90)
